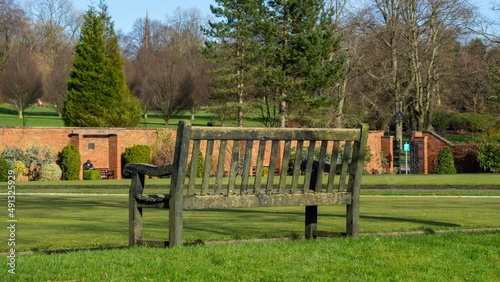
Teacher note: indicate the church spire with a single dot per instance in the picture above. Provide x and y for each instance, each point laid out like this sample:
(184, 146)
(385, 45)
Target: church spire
(147, 35)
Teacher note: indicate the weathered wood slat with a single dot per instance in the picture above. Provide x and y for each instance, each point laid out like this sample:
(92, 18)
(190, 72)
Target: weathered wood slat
(345, 165)
(235, 158)
(265, 200)
(259, 164)
(220, 166)
(207, 166)
(284, 166)
(194, 166)
(272, 165)
(246, 166)
(332, 172)
(296, 165)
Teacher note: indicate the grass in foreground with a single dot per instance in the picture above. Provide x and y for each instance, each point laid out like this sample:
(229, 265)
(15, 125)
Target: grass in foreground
(443, 257)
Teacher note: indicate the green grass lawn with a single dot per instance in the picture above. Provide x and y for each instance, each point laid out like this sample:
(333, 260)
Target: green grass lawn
(72, 221)
(79, 221)
(441, 257)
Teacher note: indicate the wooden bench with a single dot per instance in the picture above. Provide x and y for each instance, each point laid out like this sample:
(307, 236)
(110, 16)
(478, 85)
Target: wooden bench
(106, 173)
(226, 151)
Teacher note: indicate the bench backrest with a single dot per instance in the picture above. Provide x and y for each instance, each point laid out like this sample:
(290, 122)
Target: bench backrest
(246, 161)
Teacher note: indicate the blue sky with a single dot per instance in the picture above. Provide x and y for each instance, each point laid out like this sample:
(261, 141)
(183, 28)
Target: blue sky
(125, 12)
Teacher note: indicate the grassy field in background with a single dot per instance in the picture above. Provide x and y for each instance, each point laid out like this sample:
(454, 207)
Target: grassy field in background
(393, 181)
(48, 117)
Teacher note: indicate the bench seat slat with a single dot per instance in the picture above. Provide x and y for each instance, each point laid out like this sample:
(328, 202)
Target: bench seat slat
(265, 200)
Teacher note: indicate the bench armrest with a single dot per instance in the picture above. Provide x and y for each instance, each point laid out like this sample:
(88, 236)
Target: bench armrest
(147, 169)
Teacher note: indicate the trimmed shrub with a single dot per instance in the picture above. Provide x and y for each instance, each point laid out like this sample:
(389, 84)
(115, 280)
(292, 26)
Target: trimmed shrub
(4, 170)
(446, 164)
(20, 169)
(71, 162)
(138, 154)
(199, 168)
(488, 156)
(50, 172)
(32, 158)
(93, 174)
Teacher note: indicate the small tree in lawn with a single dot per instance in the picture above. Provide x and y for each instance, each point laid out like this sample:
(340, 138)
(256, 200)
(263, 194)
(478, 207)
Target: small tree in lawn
(446, 164)
(21, 81)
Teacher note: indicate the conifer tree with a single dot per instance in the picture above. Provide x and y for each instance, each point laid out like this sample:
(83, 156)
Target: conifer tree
(234, 49)
(97, 92)
(281, 55)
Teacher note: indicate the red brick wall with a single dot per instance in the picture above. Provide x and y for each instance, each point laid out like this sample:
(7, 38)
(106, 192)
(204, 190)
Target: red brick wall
(110, 144)
(434, 145)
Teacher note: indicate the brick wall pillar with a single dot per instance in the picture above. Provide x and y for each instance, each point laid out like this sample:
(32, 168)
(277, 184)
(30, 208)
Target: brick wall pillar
(114, 156)
(419, 136)
(387, 156)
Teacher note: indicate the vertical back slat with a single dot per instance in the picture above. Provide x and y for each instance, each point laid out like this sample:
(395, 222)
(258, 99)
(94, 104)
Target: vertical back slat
(284, 165)
(333, 166)
(258, 166)
(272, 166)
(321, 165)
(219, 178)
(246, 166)
(235, 157)
(207, 167)
(345, 165)
(194, 167)
(309, 165)
(296, 166)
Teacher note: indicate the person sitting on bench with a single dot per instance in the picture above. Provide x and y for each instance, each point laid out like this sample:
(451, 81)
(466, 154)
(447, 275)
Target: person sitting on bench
(88, 165)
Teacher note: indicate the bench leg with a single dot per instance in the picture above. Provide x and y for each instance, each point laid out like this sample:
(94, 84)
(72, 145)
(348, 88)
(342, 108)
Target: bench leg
(311, 213)
(135, 213)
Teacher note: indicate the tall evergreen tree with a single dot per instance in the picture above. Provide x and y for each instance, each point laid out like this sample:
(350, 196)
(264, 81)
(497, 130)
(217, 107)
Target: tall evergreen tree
(282, 55)
(306, 60)
(97, 92)
(233, 48)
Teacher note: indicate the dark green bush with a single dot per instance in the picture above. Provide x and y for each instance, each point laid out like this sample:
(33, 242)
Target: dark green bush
(93, 174)
(138, 154)
(478, 123)
(4, 170)
(488, 156)
(70, 162)
(446, 164)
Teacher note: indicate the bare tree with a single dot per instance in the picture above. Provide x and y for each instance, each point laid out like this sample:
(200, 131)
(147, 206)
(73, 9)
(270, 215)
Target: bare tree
(12, 22)
(21, 80)
(171, 84)
(55, 24)
(56, 84)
